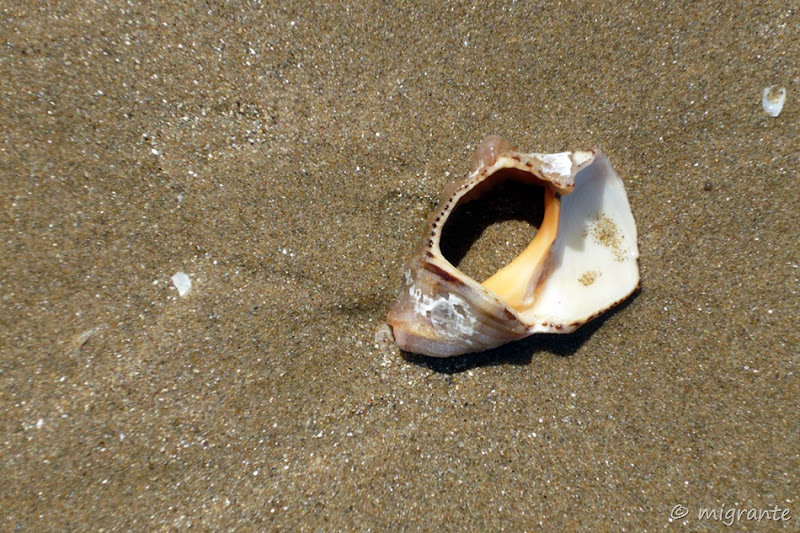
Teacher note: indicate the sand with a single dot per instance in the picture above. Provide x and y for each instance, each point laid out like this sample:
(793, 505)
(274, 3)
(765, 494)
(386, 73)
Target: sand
(285, 157)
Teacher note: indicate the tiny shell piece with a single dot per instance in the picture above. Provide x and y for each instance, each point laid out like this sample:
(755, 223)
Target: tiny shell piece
(182, 282)
(582, 261)
(772, 100)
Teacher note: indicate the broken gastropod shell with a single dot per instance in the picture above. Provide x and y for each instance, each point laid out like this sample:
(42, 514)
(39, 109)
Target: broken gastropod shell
(582, 261)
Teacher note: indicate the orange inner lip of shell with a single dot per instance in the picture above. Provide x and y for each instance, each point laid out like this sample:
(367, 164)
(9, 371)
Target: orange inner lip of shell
(517, 282)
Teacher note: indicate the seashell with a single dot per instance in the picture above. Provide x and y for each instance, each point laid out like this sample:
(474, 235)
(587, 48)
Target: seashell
(772, 100)
(582, 261)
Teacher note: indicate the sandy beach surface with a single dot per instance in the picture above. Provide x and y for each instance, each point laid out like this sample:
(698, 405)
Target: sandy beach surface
(285, 156)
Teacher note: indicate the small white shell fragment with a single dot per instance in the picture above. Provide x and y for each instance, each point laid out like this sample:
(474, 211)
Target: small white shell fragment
(182, 283)
(772, 100)
(582, 261)
(81, 340)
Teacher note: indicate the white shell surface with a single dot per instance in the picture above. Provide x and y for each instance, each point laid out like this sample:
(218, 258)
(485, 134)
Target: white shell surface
(594, 259)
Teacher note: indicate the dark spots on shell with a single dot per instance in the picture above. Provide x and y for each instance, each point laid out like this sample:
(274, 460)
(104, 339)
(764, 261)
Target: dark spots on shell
(430, 243)
(559, 326)
(516, 158)
(529, 164)
(509, 315)
(429, 255)
(433, 234)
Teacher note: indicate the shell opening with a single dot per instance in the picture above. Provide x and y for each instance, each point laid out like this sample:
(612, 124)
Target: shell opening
(487, 230)
(509, 197)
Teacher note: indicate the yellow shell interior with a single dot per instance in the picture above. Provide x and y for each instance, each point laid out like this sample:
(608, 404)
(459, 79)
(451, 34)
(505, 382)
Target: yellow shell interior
(517, 282)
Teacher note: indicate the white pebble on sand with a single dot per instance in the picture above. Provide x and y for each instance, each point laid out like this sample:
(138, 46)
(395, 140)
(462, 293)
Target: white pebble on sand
(182, 283)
